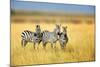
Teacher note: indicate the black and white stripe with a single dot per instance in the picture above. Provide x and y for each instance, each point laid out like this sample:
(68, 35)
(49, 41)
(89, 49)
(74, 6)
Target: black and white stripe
(50, 37)
(63, 38)
(45, 36)
(29, 36)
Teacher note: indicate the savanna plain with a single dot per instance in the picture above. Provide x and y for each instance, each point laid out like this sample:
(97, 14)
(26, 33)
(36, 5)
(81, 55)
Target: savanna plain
(80, 46)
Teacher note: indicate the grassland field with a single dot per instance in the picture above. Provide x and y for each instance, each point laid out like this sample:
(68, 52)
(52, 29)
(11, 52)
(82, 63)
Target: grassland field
(80, 46)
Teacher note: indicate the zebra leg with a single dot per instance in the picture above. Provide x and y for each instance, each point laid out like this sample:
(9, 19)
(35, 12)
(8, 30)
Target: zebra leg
(44, 45)
(23, 42)
(38, 45)
(62, 45)
(51, 45)
(55, 45)
(34, 45)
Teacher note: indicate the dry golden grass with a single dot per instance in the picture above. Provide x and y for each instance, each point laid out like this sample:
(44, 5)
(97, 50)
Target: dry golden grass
(80, 47)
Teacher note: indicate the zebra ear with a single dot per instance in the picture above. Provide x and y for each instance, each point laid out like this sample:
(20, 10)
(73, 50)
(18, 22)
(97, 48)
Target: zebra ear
(36, 25)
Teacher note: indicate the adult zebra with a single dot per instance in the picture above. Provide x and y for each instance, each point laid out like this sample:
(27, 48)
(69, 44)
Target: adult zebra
(51, 37)
(63, 38)
(29, 36)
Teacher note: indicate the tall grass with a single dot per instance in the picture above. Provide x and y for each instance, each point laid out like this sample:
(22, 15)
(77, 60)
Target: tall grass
(80, 46)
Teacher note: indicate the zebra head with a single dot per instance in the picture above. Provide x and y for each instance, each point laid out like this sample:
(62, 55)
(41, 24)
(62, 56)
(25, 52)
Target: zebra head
(57, 30)
(37, 26)
(64, 29)
(38, 29)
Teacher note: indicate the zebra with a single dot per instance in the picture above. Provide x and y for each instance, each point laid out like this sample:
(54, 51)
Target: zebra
(29, 36)
(50, 37)
(63, 38)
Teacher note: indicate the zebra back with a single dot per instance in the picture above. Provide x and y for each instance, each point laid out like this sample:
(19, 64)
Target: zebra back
(27, 35)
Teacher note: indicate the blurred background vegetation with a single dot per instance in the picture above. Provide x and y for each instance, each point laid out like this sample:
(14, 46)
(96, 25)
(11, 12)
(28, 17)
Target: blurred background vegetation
(21, 16)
